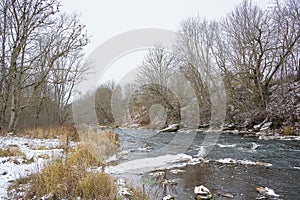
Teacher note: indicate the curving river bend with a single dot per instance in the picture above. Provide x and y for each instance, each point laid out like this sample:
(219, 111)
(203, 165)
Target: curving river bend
(238, 164)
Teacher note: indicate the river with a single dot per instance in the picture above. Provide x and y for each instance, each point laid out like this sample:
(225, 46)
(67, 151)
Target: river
(236, 165)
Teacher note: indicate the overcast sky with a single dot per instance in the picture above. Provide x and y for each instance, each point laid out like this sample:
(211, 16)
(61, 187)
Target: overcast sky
(105, 19)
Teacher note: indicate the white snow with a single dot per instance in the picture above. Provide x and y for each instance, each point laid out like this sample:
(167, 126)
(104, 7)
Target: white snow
(150, 164)
(271, 192)
(226, 145)
(11, 170)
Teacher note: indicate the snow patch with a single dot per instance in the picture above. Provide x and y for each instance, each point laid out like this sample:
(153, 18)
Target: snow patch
(151, 164)
(13, 168)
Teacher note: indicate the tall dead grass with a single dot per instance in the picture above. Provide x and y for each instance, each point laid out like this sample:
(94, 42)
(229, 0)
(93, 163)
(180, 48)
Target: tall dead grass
(68, 178)
(64, 132)
(75, 175)
(101, 143)
(11, 151)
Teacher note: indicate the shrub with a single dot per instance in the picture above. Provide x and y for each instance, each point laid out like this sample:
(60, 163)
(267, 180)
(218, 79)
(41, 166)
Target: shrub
(287, 131)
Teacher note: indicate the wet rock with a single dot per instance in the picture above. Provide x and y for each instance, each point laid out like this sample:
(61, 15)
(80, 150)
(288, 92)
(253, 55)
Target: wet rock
(257, 127)
(124, 194)
(229, 127)
(157, 174)
(171, 128)
(121, 182)
(201, 193)
(203, 126)
(266, 191)
(266, 126)
(145, 147)
(177, 171)
(168, 197)
(228, 195)
(263, 164)
(169, 182)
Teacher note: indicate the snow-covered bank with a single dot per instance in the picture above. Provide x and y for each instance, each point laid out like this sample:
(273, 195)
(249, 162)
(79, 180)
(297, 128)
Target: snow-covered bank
(37, 152)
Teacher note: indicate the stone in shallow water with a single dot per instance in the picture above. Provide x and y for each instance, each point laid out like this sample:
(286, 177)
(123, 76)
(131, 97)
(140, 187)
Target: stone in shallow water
(124, 194)
(169, 197)
(267, 191)
(201, 192)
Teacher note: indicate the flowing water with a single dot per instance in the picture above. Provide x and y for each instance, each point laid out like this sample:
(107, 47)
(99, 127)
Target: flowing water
(238, 164)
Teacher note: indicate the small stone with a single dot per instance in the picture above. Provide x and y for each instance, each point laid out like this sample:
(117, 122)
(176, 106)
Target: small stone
(201, 192)
(266, 126)
(121, 182)
(16, 162)
(44, 156)
(124, 193)
(267, 191)
(172, 182)
(169, 197)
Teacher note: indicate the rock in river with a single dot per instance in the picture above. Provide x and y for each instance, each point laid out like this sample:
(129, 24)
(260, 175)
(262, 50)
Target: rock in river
(201, 192)
(171, 128)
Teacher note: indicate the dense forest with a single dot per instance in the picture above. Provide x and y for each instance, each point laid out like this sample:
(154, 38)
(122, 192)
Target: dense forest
(256, 51)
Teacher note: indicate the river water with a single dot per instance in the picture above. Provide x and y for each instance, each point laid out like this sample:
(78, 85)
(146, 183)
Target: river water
(236, 165)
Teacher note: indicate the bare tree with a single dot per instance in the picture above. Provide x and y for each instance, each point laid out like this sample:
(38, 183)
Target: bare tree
(103, 99)
(194, 56)
(260, 43)
(35, 38)
(154, 80)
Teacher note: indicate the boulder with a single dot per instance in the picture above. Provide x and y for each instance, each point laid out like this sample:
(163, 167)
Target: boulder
(229, 127)
(258, 126)
(124, 194)
(203, 125)
(171, 128)
(266, 126)
(266, 191)
(169, 197)
(201, 193)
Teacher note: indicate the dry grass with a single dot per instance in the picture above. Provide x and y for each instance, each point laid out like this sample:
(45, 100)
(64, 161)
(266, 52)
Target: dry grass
(64, 132)
(81, 157)
(11, 151)
(72, 175)
(68, 178)
(101, 144)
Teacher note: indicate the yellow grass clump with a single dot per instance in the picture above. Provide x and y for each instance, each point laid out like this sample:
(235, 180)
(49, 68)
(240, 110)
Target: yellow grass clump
(64, 132)
(11, 151)
(69, 178)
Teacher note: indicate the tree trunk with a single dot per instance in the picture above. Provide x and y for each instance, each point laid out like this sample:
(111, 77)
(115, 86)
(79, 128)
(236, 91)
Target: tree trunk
(298, 71)
(13, 116)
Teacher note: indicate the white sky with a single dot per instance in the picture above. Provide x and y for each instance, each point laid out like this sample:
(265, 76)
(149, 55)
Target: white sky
(105, 19)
